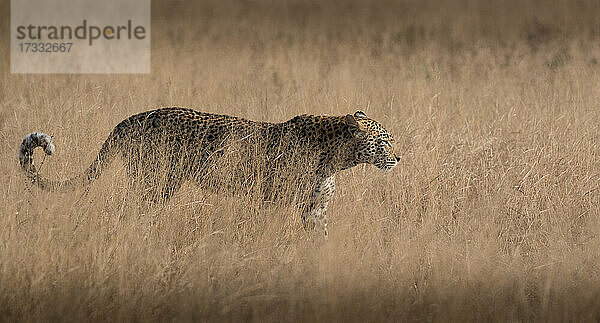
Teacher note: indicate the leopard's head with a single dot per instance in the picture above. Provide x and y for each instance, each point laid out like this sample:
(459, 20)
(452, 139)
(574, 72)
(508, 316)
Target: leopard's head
(374, 145)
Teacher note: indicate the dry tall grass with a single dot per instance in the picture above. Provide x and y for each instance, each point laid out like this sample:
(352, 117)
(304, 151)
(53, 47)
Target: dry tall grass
(493, 212)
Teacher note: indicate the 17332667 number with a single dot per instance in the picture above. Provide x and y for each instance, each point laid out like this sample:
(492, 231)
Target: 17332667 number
(45, 47)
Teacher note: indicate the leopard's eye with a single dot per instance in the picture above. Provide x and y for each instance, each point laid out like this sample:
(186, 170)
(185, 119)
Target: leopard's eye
(384, 142)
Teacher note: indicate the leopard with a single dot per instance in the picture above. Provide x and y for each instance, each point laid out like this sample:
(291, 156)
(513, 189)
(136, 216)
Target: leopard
(163, 148)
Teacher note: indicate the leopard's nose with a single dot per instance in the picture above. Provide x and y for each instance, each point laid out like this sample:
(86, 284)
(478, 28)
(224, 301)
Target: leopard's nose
(397, 158)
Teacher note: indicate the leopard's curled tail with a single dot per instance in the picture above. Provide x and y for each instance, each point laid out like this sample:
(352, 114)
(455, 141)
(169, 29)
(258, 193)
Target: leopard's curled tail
(39, 139)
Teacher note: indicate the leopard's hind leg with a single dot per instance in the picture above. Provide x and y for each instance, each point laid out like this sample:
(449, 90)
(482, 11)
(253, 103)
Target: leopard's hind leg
(156, 181)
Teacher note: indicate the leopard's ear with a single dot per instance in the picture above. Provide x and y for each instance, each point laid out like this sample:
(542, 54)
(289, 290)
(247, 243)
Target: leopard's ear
(360, 114)
(354, 127)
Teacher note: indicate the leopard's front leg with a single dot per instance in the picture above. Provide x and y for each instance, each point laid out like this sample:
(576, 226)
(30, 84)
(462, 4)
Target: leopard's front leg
(314, 216)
